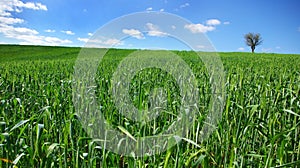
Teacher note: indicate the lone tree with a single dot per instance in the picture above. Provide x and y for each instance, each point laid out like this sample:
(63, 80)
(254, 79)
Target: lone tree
(253, 40)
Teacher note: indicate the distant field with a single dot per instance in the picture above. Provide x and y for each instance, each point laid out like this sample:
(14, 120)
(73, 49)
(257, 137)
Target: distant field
(260, 124)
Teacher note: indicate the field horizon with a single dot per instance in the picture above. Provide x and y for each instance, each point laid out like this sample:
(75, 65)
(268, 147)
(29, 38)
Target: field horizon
(3, 46)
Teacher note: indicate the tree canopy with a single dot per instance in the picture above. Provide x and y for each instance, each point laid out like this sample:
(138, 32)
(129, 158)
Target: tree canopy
(253, 40)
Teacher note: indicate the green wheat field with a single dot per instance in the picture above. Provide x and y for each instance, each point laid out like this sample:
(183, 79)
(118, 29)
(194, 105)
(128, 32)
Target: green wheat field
(259, 127)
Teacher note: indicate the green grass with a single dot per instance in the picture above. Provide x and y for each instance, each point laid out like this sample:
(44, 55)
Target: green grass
(260, 123)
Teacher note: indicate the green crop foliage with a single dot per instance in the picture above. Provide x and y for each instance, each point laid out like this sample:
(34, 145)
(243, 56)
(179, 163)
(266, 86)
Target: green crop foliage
(260, 125)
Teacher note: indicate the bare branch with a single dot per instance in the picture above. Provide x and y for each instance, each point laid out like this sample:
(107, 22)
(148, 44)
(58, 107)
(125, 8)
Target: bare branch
(253, 40)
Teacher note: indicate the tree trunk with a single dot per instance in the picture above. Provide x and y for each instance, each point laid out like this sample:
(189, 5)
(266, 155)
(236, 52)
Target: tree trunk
(252, 48)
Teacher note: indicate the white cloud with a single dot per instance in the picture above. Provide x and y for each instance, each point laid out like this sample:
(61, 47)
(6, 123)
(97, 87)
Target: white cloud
(226, 23)
(90, 34)
(68, 32)
(154, 30)
(278, 47)
(101, 42)
(18, 10)
(83, 39)
(173, 27)
(133, 33)
(10, 20)
(184, 5)
(200, 46)
(49, 31)
(42, 40)
(149, 9)
(110, 42)
(210, 25)
(4, 13)
(266, 50)
(8, 6)
(31, 5)
(241, 49)
(25, 35)
(213, 22)
(16, 32)
(199, 28)
(30, 36)
(161, 10)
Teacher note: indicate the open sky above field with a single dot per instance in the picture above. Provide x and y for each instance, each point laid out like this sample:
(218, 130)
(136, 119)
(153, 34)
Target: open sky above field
(73, 22)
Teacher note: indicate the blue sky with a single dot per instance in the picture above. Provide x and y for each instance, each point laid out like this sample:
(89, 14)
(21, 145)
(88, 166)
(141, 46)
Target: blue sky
(73, 22)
